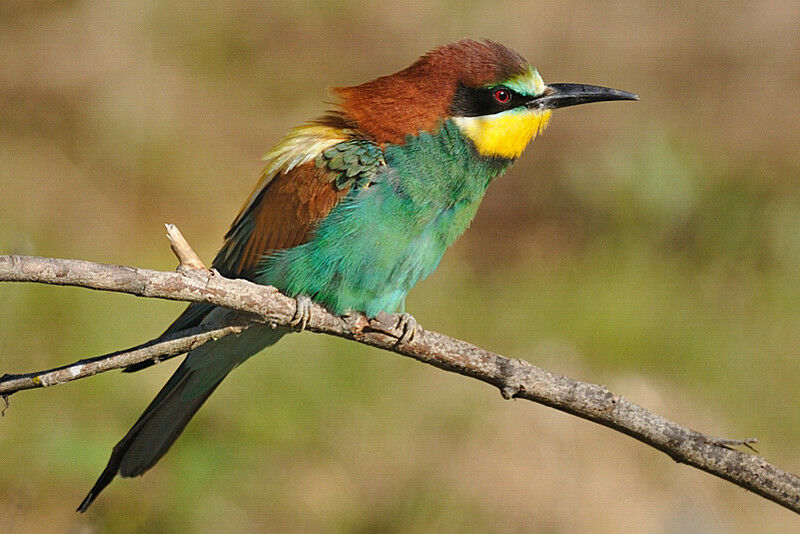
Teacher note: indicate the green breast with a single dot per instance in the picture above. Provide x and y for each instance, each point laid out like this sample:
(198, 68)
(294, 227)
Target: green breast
(392, 229)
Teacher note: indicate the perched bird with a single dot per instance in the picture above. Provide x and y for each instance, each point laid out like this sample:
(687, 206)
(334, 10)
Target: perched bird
(355, 208)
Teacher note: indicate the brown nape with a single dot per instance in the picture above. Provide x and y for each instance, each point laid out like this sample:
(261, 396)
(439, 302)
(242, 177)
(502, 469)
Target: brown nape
(415, 99)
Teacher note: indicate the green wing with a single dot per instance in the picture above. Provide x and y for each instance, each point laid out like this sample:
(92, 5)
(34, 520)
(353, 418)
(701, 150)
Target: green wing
(351, 162)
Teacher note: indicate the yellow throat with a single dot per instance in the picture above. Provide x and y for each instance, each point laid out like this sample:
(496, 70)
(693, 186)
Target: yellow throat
(504, 134)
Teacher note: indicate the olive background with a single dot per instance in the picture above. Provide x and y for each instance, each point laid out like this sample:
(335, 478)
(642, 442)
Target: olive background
(653, 247)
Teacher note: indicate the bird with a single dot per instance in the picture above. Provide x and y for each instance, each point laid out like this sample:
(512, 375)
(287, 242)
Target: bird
(356, 207)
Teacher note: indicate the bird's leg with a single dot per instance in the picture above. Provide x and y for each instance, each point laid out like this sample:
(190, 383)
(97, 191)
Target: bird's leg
(302, 313)
(408, 325)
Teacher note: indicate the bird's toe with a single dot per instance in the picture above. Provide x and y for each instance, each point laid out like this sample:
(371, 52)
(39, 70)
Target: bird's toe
(302, 313)
(408, 325)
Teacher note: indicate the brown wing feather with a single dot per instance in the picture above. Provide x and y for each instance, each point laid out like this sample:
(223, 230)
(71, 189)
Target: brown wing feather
(292, 195)
(282, 215)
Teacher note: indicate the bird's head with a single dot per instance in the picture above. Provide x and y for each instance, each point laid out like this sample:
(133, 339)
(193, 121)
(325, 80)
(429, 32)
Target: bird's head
(492, 93)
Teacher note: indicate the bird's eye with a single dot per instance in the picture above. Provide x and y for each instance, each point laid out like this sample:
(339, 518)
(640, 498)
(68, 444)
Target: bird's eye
(503, 96)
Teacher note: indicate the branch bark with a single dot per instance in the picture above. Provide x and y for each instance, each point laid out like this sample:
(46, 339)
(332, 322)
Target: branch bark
(514, 378)
(156, 350)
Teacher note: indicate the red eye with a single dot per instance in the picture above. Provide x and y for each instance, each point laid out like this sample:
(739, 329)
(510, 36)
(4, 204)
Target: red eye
(503, 96)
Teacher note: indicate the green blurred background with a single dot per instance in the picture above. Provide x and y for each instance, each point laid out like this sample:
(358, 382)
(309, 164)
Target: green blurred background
(653, 247)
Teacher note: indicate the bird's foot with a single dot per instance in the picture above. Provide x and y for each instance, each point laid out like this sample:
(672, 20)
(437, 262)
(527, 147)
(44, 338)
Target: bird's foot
(408, 325)
(302, 313)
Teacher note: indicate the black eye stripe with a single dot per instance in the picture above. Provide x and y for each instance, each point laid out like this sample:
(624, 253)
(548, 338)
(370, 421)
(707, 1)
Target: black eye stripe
(474, 102)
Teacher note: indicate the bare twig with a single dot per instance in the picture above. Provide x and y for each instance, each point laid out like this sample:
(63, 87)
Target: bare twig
(180, 247)
(155, 350)
(514, 378)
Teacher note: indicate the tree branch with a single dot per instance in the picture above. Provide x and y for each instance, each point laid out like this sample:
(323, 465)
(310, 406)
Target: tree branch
(180, 247)
(156, 350)
(514, 378)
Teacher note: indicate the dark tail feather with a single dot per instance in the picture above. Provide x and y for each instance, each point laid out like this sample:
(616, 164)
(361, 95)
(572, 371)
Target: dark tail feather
(180, 398)
(153, 434)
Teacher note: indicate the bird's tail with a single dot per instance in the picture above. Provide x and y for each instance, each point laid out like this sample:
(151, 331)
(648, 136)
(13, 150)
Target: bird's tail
(180, 398)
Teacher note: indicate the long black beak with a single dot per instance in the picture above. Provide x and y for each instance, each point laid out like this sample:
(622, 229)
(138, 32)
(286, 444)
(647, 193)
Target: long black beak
(561, 95)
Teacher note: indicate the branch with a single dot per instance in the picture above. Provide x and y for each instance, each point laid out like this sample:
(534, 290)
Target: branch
(156, 350)
(514, 378)
(180, 247)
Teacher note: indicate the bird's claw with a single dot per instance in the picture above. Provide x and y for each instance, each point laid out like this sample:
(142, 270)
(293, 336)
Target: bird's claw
(408, 325)
(302, 313)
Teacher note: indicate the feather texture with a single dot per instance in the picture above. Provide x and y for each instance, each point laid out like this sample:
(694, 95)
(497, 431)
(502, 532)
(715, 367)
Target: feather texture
(291, 196)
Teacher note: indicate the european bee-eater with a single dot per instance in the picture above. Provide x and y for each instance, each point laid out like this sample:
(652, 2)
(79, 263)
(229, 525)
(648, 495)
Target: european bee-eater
(355, 208)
